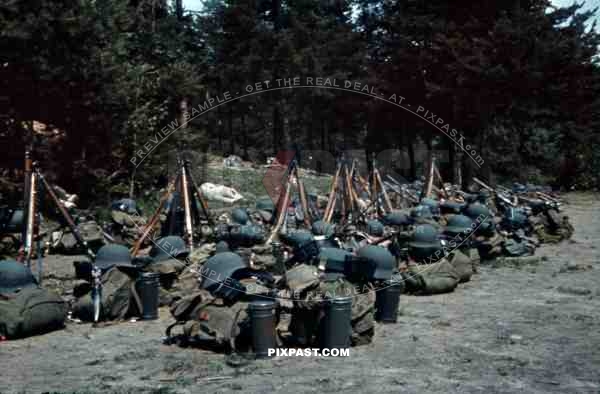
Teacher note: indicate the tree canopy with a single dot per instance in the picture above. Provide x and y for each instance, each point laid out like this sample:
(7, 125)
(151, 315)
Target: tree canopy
(519, 79)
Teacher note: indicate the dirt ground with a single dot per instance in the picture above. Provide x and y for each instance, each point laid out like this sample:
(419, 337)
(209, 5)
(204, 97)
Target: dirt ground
(445, 343)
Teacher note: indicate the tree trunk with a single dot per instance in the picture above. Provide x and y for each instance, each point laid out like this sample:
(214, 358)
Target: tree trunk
(451, 173)
(276, 128)
(231, 133)
(411, 158)
(244, 136)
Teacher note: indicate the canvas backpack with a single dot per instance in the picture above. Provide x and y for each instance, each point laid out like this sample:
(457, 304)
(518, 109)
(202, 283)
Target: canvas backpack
(31, 311)
(209, 323)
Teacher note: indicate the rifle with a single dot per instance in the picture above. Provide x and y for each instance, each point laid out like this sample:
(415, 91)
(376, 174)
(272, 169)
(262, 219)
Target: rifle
(189, 231)
(198, 193)
(284, 200)
(303, 200)
(385, 195)
(428, 186)
(439, 177)
(331, 202)
(96, 272)
(497, 193)
(31, 216)
(154, 219)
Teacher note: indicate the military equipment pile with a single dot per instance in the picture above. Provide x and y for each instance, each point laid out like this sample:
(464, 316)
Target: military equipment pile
(306, 263)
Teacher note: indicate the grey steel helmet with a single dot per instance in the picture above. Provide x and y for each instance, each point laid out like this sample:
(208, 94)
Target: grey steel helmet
(333, 259)
(375, 228)
(421, 212)
(240, 216)
(396, 219)
(477, 210)
(221, 269)
(322, 228)
(265, 208)
(434, 206)
(303, 242)
(265, 203)
(425, 242)
(221, 247)
(459, 224)
(170, 247)
(11, 220)
(382, 261)
(425, 236)
(451, 207)
(480, 214)
(298, 238)
(15, 276)
(246, 235)
(112, 255)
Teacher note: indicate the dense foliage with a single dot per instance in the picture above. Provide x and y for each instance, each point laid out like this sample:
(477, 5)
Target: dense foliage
(518, 78)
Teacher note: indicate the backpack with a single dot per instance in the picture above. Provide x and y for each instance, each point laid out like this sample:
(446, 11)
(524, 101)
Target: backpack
(436, 278)
(31, 311)
(462, 264)
(209, 323)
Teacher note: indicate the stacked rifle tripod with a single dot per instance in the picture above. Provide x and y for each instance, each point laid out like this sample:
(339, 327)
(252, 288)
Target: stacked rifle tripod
(345, 191)
(183, 197)
(36, 186)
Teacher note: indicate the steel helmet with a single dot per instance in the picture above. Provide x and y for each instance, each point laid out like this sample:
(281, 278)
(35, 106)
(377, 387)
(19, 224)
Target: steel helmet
(382, 261)
(451, 207)
(240, 216)
(459, 224)
(322, 228)
(246, 235)
(434, 206)
(304, 245)
(482, 217)
(425, 242)
(221, 247)
(375, 228)
(11, 220)
(421, 211)
(333, 259)
(396, 219)
(15, 276)
(171, 247)
(265, 203)
(112, 255)
(223, 269)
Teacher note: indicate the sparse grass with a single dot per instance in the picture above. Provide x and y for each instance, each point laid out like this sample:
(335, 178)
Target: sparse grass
(247, 181)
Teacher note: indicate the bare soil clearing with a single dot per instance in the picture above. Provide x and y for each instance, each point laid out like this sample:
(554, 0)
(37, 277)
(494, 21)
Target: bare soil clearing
(445, 343)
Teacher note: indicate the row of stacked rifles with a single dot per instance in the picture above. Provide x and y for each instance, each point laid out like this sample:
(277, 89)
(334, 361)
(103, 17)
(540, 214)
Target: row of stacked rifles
(305, 270)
